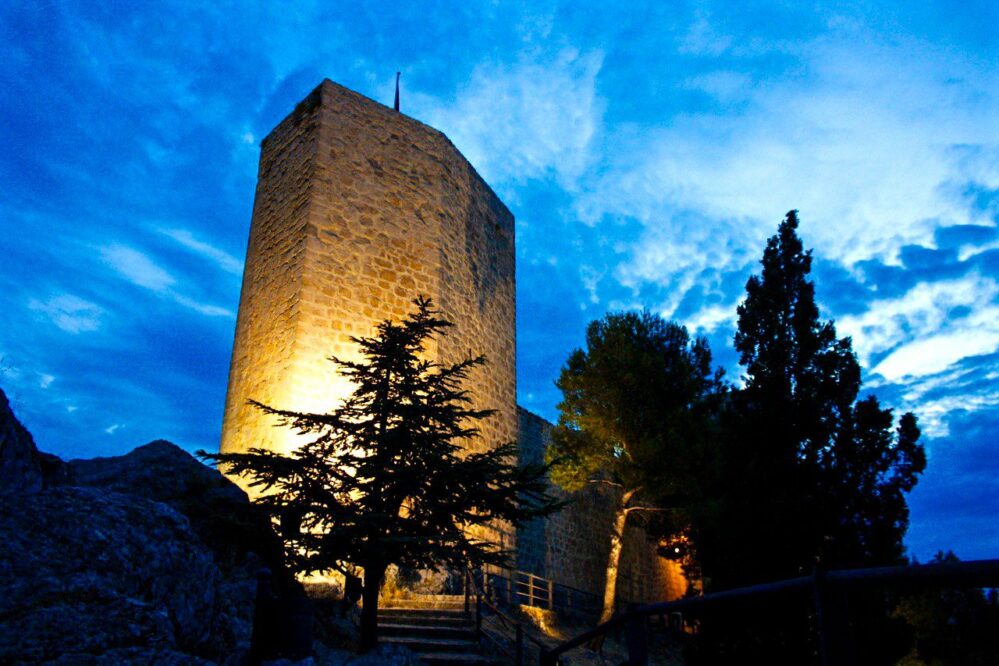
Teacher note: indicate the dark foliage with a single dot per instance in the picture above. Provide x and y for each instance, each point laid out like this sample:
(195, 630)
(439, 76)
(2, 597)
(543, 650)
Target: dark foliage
(951, 627)
(634, 419)
(810, 476)
(385, 478)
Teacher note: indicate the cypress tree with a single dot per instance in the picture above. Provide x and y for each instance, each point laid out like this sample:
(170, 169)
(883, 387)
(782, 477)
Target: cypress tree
(811, 476)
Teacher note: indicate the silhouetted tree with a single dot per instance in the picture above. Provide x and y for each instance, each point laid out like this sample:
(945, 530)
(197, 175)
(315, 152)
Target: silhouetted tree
(632, 419)
(811, 475)
(384, 479)
(951, 627)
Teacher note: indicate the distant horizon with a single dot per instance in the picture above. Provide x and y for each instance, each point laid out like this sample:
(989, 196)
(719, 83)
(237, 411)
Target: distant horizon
(646, 155)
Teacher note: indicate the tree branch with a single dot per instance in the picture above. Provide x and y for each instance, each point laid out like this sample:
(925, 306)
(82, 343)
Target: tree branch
(606, 483)
(644, 508)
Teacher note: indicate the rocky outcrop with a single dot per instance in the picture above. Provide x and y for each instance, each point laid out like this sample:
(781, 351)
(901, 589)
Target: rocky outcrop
(150, 557)
(220, 513)
(87, 571)
(23, 468)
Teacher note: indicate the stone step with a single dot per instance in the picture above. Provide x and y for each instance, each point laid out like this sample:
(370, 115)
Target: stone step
(426, 630)
(434, 645)
(426, 619)
(430, 613)
(436, 628)
(429, 601)
(457, 659)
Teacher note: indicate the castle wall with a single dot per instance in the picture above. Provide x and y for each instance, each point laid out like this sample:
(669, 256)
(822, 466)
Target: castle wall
(571, 547)
(359, 209)
(264, 351)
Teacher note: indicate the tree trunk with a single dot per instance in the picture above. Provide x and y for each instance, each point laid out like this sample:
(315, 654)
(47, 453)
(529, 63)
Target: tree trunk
(369, 609)
(614, 557)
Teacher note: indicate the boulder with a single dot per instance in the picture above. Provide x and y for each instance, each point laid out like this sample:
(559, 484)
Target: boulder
(86, 572)
(219, 511)
(23, 469)
(238, 533)
(146, 557)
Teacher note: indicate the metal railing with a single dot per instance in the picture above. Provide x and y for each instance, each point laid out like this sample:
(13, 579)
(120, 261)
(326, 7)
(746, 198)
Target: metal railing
(831, 617)
(522, 588)
(482, 600)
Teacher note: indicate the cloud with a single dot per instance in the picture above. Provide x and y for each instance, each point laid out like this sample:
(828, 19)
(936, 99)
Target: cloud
(137, 268)
(924, 329)
(537, 117)
(140, 270)
(70, 313)
(875, 141)
(203, 308)
(221, 258)
(709, 319)
(938, 352)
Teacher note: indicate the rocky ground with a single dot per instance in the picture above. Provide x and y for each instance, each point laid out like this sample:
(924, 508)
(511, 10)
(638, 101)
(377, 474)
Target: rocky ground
(150, 557)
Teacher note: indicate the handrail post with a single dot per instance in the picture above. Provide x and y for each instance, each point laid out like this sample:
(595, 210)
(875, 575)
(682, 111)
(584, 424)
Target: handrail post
(530, 589)
(478, 617)
(835, 636)
(467, 590)
(520, 645)
(637, 636)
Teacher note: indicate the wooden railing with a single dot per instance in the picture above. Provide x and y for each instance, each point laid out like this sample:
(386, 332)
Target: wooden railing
(831, 618)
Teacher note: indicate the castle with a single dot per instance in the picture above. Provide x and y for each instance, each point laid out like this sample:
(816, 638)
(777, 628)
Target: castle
(358, 209)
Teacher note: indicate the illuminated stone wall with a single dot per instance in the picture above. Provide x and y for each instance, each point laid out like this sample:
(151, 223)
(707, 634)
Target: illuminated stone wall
(571, 547)
(358, 209)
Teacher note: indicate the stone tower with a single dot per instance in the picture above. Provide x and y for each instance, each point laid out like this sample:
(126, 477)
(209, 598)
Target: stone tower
(358, 210)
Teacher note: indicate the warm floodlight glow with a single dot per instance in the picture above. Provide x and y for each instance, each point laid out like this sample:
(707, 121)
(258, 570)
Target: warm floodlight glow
(310, 389)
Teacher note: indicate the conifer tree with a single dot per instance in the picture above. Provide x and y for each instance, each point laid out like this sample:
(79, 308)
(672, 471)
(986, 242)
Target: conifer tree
(384, 478)
(834, 471)
(811, 476)
(633, 417)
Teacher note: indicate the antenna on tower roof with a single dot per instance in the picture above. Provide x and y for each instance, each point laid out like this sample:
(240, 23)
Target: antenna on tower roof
(397, 91)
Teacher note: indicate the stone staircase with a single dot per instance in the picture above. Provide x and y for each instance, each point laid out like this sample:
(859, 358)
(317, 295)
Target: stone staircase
(436, 628)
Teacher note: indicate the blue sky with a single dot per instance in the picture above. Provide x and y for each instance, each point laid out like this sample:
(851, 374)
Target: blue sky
(647, 155)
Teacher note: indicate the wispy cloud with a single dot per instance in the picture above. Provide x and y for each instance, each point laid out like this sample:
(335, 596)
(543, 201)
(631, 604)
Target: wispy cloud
(137, 268)
(535, 118)
(875, 144)
(203, 308)
(70, 313)
(141, 270)
(930, 327)
(221, 258)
